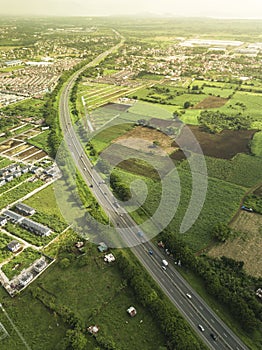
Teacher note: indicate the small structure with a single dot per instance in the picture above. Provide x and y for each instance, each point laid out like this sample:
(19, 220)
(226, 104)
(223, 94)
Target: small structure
(259, 293)
(25, 209)
(132, 311)
(3, 220)
(14, 246)
(109, 258)
(102, 247)
(79, 245)
(93, 329)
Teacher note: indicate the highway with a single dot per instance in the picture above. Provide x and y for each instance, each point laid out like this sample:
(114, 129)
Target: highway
(194, 309)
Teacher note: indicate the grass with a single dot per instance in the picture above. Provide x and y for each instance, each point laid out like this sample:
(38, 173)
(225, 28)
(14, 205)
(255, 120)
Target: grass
(41, 141)
(221, 202)
(4, 162)
(4, 252)
(256, 144)
(242, 170)
(44, 201)
(26, 312)
(104, 300)
(19, 192)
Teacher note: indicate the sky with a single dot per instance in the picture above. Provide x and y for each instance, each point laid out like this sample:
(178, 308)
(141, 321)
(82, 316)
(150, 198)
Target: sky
(188, 8)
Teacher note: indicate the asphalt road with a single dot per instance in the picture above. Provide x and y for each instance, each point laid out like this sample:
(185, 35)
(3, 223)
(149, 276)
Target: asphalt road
(194, 309)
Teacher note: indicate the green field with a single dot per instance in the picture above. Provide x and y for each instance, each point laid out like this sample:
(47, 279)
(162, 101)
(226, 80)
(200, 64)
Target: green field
(221, 203)
(19, 192)
(26, 312)
(104, 300)
(20, 262)
(41, 141)
(242, 170)
(256, 144)
(4, 252)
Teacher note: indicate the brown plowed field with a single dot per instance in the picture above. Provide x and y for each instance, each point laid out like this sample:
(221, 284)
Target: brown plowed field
(211, 102)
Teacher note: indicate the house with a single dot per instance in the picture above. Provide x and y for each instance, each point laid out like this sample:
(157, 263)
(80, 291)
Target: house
(14, 246)
(109, 258)
(36, 228)
(102, 247)
(17, 173)
(93, 329)
(2, 182)
(25, 170)
(79, 245)
(25, 279)
(9, 178)
(40, 265)
(25, 209)
(132, 311)
(13, 217)
(3, 220)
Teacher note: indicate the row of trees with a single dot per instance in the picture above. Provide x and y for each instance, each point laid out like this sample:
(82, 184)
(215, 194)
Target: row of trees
(224, 279)
(121, 190)
(178, 334)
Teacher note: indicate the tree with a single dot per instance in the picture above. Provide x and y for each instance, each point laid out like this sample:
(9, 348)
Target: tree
(221, 231)
(76, 339)
(187, 104)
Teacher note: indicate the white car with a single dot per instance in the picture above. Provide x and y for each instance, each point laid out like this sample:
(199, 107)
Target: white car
(188, 295)
(201, 327)
(163, 267)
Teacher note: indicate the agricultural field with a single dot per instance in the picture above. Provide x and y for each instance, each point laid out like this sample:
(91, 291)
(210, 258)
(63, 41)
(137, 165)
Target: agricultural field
(222, 202)
(246, 246)
(242, 170)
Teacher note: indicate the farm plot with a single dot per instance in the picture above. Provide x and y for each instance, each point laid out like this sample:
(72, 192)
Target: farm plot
(16, 150)
(9, 144)
(211, 102)
(223, 145)
(36, 156)
(247, 246)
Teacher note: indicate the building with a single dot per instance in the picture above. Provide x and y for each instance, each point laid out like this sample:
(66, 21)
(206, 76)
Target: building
(25, 209)
(14, 246)
(40, 265)
(3, 220)
(13, 217)
(102, 247)
(25, 279)
(35, 227)
(132, 311)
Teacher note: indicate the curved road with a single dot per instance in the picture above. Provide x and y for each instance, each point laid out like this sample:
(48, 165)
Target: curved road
(194, 309)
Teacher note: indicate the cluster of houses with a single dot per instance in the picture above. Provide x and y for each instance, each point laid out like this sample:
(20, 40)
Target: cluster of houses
(12, 172)
(31, 225)
(25, 278)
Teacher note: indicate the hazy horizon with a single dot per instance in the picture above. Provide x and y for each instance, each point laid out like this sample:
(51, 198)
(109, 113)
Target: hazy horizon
(187, 8)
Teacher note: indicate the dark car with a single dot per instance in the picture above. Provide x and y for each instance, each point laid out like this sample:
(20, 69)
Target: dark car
(213, 336)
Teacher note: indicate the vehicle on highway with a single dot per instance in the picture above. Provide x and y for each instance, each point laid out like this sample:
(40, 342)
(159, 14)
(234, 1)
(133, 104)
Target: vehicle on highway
(140, 234)
(150, 252)
(84, 169)
(213, 336)
(164, 262)
(201, 327)
(163, 267)
(188, 295)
